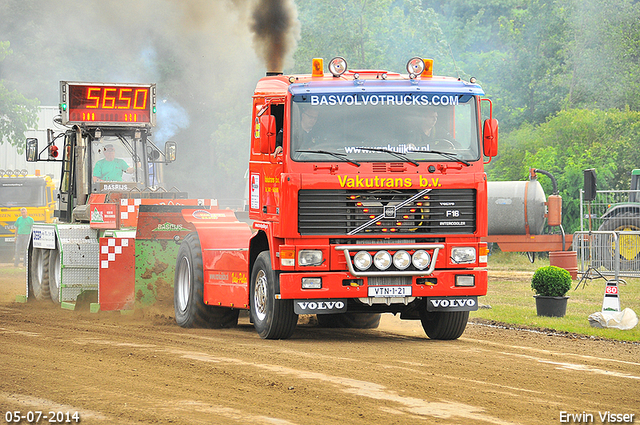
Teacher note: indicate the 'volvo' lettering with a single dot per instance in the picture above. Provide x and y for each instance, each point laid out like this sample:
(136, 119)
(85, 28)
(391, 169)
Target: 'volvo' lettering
(452, 303)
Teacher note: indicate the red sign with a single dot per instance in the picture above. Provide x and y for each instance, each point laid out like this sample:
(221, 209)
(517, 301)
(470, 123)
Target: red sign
(104, 216)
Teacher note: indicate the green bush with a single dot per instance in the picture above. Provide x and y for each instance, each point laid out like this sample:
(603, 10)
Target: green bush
(551, 281)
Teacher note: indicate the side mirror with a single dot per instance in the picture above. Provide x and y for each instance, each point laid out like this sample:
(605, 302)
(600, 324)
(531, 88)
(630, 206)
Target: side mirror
(32, 150)
(170, 151)
(267, 134)
(490, 135)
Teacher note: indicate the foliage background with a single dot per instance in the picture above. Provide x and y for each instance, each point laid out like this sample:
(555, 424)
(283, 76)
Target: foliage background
(563, 75)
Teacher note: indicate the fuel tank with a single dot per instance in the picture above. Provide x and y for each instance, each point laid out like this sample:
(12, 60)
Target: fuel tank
(515, 207)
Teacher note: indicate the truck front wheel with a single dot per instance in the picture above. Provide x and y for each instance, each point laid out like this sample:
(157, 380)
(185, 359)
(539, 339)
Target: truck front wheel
(272, 318)
(39, 273)
(188, 291)
(444, 324)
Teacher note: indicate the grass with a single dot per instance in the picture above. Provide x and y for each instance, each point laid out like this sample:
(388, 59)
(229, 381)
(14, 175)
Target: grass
(511, 299)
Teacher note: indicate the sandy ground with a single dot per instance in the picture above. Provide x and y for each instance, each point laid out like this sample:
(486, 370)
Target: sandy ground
(142, 368)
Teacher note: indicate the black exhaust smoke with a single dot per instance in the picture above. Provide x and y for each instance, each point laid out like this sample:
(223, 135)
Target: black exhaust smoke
(275, 27)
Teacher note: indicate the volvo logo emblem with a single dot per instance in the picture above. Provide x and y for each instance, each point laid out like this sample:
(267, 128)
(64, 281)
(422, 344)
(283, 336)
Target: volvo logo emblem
(389, 211)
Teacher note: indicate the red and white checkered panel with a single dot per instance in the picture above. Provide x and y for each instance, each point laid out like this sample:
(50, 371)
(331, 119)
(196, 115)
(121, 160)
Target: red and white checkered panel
(117, 273)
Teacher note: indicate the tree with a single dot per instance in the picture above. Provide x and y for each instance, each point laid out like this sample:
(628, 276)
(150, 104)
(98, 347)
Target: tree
(17, 113)
(566, 145)
(374, 34)
(604, 54)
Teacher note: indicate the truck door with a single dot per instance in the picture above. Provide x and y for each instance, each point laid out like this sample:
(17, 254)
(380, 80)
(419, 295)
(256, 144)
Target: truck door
(266, 166)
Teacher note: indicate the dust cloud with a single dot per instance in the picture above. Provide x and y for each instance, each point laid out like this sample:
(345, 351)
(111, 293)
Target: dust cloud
(205, 57)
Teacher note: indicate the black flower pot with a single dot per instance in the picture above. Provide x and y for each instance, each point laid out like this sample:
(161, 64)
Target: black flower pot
(551, 306)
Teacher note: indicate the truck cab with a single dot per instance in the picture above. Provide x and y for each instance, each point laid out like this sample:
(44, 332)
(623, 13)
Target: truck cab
(368, 191)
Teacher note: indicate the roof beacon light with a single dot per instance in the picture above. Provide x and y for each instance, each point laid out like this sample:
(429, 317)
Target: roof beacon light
(337, 66)
(428, 68)
(317, 65)
(415, 66)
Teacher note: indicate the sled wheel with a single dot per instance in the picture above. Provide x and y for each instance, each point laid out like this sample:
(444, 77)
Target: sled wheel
(188, 292)
(444, 324)
(55, 264)
(272, 318)
(349, 320)
(39, 273)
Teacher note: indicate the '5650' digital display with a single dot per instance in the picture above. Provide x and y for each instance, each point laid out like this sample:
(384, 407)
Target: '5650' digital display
(107, 104)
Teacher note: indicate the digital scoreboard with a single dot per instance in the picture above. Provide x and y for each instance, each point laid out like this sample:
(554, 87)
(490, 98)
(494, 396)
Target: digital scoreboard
(108, 104)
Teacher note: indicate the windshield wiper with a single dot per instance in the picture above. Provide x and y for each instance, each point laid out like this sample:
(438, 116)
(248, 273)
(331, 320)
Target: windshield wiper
(394, 153)
(340, 156)
(449, 155)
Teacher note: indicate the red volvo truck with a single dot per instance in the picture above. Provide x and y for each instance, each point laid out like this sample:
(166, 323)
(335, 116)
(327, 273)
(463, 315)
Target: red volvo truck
(367, 195)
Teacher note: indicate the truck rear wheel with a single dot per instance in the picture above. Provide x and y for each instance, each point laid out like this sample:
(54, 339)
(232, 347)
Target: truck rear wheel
(349, 320)
(39, 273)
(188, 300)
(272, 318)
(444, 324)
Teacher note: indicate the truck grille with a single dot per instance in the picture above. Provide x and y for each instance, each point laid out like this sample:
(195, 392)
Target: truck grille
(340, 212)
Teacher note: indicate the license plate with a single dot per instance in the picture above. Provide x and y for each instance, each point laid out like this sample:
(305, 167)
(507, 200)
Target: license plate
(389, 291)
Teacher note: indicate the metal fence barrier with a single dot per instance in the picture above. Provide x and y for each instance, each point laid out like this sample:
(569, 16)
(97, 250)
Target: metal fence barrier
(624, 203)
(608, 243)
(603, 254)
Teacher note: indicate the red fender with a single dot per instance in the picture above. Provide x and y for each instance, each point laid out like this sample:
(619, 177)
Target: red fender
(225, 255)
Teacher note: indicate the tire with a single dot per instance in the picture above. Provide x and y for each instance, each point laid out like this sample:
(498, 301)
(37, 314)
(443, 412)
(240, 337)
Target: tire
(629, 244)
(272, 318)
(349, 320)
(39, 273)
(55, 265)
(444, 325)
(188, 292)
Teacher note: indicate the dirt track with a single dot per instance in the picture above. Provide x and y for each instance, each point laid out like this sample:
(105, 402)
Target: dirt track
(142, 368)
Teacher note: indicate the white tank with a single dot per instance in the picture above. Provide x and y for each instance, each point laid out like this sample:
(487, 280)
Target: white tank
(515, 205)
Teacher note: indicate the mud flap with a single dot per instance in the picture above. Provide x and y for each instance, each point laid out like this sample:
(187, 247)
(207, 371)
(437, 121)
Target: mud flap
(463, 303)
(320, 306)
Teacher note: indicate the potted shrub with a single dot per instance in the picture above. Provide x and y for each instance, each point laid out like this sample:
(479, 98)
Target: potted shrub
(551, 283)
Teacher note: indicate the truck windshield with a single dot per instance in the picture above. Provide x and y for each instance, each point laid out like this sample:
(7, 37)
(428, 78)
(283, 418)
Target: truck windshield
(366, 132)
(113, 161)
(19, 192)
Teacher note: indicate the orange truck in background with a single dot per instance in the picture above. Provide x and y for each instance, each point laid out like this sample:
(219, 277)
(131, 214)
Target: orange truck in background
(367, 195)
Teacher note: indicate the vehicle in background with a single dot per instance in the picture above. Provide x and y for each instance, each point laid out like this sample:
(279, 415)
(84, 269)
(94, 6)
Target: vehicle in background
(64, 257)
(18, 189)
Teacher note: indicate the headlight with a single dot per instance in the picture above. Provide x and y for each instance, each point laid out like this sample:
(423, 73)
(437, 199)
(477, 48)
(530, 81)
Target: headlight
(382, 260)
(415, 66)
(465, 280)
(310, 257)
(311, 283)
(421, 259)
(362, 260)
(401, 259)
(463, 255)
(337, 66)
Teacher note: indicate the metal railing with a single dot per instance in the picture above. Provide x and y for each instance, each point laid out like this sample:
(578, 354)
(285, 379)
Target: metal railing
(608, 243)
(594, 214)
